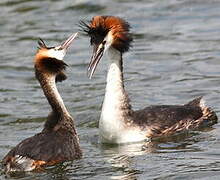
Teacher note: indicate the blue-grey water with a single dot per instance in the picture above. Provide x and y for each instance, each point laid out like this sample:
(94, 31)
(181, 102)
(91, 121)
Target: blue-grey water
(175, 58)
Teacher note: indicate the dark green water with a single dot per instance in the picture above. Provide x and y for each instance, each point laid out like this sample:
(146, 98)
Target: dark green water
(175, 57)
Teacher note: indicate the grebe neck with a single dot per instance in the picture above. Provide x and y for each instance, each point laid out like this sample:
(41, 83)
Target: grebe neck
(59, 111)
(115, 91)
(116, 109)
(115, 71)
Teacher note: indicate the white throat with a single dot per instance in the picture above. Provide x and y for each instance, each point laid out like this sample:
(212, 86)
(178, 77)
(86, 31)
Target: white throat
(113, 124)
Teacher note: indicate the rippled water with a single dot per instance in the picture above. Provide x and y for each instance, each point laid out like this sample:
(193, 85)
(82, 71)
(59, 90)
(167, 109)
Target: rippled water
(175, 57)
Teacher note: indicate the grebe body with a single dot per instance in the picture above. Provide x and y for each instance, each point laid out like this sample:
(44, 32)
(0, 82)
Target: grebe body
(58, 141)
(118, 122)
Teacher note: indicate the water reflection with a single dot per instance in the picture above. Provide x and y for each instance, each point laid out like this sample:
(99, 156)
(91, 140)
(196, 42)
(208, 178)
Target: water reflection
(123, 163)
(123, 157)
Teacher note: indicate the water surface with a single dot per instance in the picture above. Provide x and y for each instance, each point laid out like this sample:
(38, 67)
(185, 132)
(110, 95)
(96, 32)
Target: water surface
(175, 57)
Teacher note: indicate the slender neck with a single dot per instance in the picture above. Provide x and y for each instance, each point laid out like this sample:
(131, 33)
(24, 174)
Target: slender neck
(48, 84)
(50, 91)
(116, 113)
(115, 73)
(116, 99)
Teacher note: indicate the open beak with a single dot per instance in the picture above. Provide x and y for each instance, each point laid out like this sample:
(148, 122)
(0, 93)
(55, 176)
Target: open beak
(97, 54)
(65, 45)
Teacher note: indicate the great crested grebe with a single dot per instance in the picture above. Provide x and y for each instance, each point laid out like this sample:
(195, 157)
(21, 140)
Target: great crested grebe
(58, 141)
(118, 122)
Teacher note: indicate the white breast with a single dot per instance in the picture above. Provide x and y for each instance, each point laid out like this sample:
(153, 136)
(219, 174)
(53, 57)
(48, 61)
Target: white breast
(110, 135)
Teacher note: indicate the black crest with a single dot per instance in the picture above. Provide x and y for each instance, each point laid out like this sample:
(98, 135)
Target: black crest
(89, 30)
(99, 27)
(41, 44)
(84, 27)
(97, 34)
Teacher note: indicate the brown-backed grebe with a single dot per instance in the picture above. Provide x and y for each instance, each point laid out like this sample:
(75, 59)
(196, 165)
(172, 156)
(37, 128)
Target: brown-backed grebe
(118, 122)
(58, 141)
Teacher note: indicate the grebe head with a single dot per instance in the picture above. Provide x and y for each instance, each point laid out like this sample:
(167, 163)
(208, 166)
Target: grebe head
(49, 60)
(106, 32)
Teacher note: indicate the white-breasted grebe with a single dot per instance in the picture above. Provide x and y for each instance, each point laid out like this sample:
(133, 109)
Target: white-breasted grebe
(118, 122)
(58, 141)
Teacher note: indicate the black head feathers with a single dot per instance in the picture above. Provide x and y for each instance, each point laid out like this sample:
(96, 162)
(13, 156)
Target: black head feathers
(100, 26)
(41, 44)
